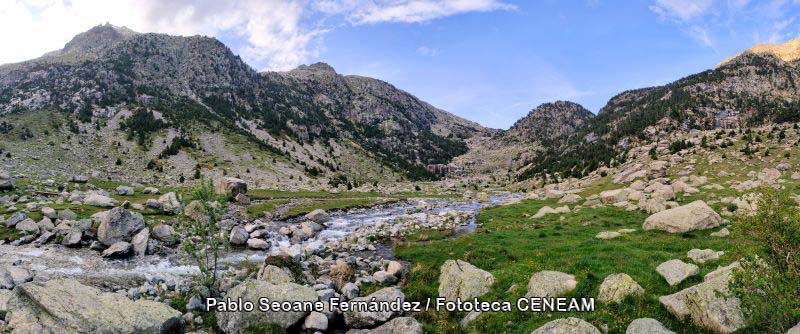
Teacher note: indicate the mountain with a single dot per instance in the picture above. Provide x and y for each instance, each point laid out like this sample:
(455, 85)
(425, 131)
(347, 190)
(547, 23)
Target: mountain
(751, 89)
(500, 153)
(172, 106)
(789, 51)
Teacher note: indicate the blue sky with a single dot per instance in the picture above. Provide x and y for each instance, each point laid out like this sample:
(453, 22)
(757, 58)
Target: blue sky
(490, 61)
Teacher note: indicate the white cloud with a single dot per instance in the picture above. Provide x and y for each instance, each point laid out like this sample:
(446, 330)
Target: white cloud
(406, 11)
(426, 51)
(682, 10)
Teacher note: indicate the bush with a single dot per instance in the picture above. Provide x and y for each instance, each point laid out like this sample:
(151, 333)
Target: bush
(770, 282)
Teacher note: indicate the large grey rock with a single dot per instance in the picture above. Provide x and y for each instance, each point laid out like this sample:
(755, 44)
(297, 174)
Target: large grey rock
(550, 284)
(368, 319)
(73, 237)
(615, 288)
(318, 216)
(460, 279)
(15, 219)
(696, 215)
(95, 199)
(28, 226)
(676, 271)
(230, 186)
(274, 275)
(49, 212)
(253, 290)
(238, 236)
(567, 326)
(316, 321)
(66, 306)
(118, 224)
(704, 255)
(140, 241)
(647, 326)
(5, 295)
(258, 244)
(67, 214)
(401, 325)
(165, 234)
(169, 203)
(124, 191)
(709, 304)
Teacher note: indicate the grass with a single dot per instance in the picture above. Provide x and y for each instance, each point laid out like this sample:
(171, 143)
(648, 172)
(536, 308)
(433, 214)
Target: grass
(512, 247)
(307, 206)
(9, 234)
(258, 209)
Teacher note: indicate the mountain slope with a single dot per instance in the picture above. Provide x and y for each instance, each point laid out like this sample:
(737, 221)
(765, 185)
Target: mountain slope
(155, 88)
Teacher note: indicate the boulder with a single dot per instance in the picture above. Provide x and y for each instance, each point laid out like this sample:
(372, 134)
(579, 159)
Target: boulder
(15, 219)
(66, 306)
(230, 186)
(274, 275)
(258, 244)
(318, 216)
(165, 234)
(238, 236)
(401, 325)
(310, 228)
(5, 295)
(614, 196)
(545, 210)
(550, 284)
(140, 241)
(13, 276)
(316, 321)
(704, 255)
(794, 330)
(693, 216)
(395, 269)
(169, 203)
(570, 198)
(118, 224)
(647, 326)
(95, 199)
(124, 191)
(150, 191)
(676, 271)
(73, 237)
(253, 290)
(79, 179)
(615, 288)
(460, 279)
(567, 326)
(709, 304)
(49, 212)
(118, 250)
(369, 319)
(28, 226)
(724, 232)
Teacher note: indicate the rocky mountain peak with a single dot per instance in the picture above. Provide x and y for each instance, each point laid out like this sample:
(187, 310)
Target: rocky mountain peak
(789, 51)
(90, 43)
(549, 122)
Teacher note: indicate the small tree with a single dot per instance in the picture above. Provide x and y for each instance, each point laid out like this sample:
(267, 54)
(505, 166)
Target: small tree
(203, 237)
(769, 283)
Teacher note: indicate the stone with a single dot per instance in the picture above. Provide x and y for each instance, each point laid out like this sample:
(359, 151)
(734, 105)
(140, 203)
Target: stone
(401, 325)
(118, 224)
(118, 250)
(794, 330)
(676, 271)
(140, 241)
(709, 304)
(45, 224)
(95, 199)
(607, 235)
(693, 216)
(17, 275)
(318, 216)
(28, 226)
(616, 287)
(550, 284)
(124, 191)
(15, 219)
(66, 306)
(253, 290)
(316, 321)
(258, 244)
(49, 212)
(368, 319)
(383, 277)
(310, 228)
(165, 234)
(230, 186)
(169, 203)
(460, 279)
(724, 232)
(5, 295)
(543, 211)
(274, 275)
(238, 236)
(704, 255)
(614, 196)
(647, 326)
(79, 179)
(570, 198)
(242, 199)
(567, 326)
(150, 191)
(73, 237)
(395, 269)
(350, 290)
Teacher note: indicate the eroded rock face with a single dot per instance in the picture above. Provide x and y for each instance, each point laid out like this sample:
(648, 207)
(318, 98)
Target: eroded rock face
(230, 186)
(567, 326)
(693, 216)
(66, 306)
(709, 304)
(367, 319)
(550, 284)
(460, 279)
(616, 287)
(252, 290)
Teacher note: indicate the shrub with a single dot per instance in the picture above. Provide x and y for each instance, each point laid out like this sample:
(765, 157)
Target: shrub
(769, 283)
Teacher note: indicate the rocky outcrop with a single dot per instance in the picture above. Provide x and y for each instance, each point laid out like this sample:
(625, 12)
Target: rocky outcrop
(230, 186)
(118, 224)
(693, 216)
(676, 271)
(567, 326)
(252, 290)
(615, 288)
(709, 304)
(66, 306)
(460, 279)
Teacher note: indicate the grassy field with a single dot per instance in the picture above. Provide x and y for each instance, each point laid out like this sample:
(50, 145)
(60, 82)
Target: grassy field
(513, 246)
